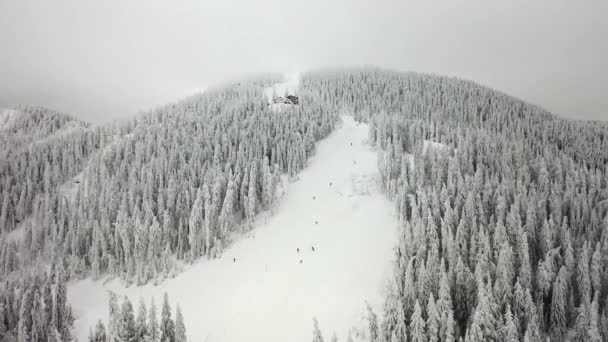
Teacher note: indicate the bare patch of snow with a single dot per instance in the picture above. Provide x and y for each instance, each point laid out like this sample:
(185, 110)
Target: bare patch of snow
(7, 117)
(69, 188)
(17, 233)
(433, 145)
(262, 288)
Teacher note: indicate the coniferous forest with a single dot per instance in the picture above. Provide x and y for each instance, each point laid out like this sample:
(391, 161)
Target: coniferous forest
(502, 206)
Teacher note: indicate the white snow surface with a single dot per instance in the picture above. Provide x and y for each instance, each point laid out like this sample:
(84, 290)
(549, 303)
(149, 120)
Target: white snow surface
(272, 292)
(6, 117)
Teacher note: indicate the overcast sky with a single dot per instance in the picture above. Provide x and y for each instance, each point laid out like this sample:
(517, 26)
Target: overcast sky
(102, 60)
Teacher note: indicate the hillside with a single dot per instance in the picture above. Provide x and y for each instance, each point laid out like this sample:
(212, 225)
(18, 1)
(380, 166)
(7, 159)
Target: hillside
(500, 209)
(264, 278)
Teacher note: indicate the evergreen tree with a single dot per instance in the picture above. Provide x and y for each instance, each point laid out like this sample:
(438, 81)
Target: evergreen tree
(433, 320)
(141, 326)
(509, 330)
(558, 317)
(316, 333)
(372, 321)
(180, 327)
(581, 326)
(153, 326)
(25, 316)
(167, 326)
(597, 268)
(400, 331)
(593, 334)
(390, 319)
(126, 330)
(449, 335)
(417, 325)
(99, 334)
(196, 224)
(583, 278)
(115, 318)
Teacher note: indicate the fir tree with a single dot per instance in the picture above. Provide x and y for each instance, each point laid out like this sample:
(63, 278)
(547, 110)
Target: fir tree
(167, 326)
(372, 321)
(180, 327)
(433, 320)
(141, 326)
(316, 333)
(126, 330)
(417, 325)
(153, 325)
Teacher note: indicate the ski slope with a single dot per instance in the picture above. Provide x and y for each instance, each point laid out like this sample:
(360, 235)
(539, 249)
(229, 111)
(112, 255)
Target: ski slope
(272, 292)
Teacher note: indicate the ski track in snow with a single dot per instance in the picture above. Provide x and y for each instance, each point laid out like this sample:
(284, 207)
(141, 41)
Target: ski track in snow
(267, 294)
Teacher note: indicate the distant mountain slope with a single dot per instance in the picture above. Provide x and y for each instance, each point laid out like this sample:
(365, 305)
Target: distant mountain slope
(40, 149)
(34, 123)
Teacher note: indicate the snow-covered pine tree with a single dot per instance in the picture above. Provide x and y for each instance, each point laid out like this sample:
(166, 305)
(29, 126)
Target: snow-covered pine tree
(180, 327)
(167, 326)
(99, 334)
(372, 322)
(141, 326)
(316, 333)
(153, 325)
(115, 317)
(126, 329)
(196, 225)
(558, 318)
(417, 325)
(509, 330)
(433, 320)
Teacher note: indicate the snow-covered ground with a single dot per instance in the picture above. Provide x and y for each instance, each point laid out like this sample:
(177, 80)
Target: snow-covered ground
(6, 117)
(69, 188)
(433, 145)
(17, 233)
(272, 292)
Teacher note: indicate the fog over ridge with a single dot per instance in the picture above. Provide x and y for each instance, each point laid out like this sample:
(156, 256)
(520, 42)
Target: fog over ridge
(106, 60)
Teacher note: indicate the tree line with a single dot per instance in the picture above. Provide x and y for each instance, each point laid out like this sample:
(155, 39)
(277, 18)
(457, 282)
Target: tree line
(125, 326)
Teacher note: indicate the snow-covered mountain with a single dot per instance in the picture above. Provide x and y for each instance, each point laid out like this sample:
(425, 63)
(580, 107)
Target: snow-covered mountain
(454, 210)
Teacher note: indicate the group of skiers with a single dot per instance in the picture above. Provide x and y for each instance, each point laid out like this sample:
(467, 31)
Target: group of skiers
(316, 222)
(298, 250)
